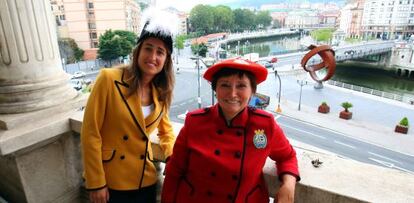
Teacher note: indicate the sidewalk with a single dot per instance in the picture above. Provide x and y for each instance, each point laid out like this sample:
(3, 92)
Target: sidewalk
(367, 125)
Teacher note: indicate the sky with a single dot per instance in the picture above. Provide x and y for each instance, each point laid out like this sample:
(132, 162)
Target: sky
(186, 5)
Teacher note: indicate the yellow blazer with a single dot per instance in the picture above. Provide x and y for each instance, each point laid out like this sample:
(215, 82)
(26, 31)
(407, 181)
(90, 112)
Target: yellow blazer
(116, 149)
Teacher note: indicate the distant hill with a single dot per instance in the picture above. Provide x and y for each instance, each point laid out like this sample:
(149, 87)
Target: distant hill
(258, 3)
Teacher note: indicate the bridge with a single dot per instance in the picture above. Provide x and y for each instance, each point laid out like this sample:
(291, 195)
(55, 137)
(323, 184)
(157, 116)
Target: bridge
(342, 53)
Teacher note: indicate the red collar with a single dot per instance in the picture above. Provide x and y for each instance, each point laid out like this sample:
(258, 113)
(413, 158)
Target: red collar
(240, 120)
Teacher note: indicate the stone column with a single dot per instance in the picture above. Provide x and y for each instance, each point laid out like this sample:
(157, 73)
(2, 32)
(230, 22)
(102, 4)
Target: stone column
(39, 154)
(31, 74)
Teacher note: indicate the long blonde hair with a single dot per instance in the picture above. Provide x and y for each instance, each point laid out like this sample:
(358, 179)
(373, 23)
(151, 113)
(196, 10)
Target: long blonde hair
(163, 81)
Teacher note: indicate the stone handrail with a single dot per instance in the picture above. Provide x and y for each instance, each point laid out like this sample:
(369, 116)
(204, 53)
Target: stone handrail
(336, 180)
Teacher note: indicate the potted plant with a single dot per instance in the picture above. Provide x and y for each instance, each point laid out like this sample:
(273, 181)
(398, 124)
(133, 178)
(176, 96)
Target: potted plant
(323, 108)
(402, 126)
(346, 114)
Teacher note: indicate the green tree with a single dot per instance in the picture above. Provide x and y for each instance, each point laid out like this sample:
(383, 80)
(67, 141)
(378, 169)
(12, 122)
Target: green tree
(202, 18)
(199, 49)
(143, 5)
(223, 18)
(276, 24)
(69, 50)
(243, 20)
(263, 19)
(179, 42)
(114, 44)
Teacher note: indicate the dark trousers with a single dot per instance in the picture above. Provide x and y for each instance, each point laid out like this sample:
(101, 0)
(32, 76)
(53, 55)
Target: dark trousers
(143, 195)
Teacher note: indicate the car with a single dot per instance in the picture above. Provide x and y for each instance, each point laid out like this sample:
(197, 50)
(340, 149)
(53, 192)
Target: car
(78, 74)
(265, 63)
(76, 84)
(350, 52)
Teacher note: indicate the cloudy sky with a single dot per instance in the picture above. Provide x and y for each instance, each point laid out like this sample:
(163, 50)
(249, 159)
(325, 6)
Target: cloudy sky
(185, 5)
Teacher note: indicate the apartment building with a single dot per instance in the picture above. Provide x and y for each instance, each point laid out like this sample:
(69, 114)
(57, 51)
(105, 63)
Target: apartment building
(388, 19)
(302, 19)
(351, 19)
(85, 20)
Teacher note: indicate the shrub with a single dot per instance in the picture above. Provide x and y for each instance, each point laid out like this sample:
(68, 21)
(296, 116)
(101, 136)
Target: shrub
(404, 122)
(346, 105)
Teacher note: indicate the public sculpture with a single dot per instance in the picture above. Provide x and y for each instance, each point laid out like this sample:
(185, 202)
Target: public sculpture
(328, 61)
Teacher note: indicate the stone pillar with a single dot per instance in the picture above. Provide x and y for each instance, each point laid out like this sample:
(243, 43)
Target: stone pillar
(39, 153)
(31, 74)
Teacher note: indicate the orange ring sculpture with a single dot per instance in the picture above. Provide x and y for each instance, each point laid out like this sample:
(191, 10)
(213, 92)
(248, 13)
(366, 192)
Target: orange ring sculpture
(328, 61)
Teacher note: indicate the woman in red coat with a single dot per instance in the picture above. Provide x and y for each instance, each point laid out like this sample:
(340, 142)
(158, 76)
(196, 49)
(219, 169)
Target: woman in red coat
(221, 150)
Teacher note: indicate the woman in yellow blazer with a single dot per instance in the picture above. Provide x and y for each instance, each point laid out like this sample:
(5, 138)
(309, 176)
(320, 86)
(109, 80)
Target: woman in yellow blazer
(124, 107)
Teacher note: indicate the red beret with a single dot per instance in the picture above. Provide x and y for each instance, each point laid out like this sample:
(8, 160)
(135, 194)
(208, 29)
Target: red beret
(258, 70)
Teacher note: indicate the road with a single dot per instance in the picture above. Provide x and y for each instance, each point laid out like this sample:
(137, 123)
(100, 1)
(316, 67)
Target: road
(345, 146)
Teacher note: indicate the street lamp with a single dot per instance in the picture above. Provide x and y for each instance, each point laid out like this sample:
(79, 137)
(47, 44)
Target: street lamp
(198, 59)
(278, 109)
(301, 83)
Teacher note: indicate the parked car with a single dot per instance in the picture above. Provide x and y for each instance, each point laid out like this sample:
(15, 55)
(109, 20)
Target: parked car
(350, 52)
(266, 64)
(76, 84)
(79, 74)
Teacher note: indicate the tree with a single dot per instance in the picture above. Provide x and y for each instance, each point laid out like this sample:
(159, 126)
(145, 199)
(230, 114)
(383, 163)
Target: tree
(143, 5)
(202, 18)
(69, 50)
(114, 44)
(199, 49)
(179, 42)
(243, 19)
(223, 18)
(276, 24)
(263, 19)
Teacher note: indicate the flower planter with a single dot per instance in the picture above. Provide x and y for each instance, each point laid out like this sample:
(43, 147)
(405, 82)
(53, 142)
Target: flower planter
(345, 115)
(401, 129)
(323, 109)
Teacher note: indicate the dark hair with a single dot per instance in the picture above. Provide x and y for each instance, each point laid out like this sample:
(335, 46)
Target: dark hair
(225, 72)
(163, 81)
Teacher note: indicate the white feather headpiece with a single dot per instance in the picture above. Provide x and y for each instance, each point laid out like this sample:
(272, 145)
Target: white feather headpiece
(160, 21)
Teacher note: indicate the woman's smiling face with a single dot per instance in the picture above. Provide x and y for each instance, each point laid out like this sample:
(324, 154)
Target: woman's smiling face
(233, 93)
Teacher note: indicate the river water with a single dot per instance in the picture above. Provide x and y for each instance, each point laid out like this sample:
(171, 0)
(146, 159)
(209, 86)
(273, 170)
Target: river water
(351, 73)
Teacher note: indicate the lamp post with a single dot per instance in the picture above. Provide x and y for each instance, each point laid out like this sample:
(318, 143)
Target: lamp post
(198, 59)
(301, 83)
(278, 109)
(238, 48)
(64, 64)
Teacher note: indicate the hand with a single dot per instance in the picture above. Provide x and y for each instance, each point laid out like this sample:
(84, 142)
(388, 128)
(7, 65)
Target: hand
(99, 196)
(286, 193)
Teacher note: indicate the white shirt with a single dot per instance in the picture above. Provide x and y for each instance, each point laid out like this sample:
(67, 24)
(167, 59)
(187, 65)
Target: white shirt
(146, 110)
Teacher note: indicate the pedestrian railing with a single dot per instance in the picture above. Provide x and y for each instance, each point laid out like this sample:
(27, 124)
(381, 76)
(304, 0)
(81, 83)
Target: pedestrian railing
(388, 95)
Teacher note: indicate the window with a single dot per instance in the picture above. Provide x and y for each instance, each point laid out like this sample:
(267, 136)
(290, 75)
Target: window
(91, 25)
(91, 14)
(93, 35)
(90, 5)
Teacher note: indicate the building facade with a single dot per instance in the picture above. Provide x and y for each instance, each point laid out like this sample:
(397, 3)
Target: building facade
(351, 19)
(388, 19)
(85, 20)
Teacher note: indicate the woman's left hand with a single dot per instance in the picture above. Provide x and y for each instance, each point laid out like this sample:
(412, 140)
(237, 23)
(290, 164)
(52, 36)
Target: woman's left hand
(286, 193)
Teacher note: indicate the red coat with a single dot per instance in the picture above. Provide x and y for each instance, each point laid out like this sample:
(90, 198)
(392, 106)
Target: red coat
(213, 162)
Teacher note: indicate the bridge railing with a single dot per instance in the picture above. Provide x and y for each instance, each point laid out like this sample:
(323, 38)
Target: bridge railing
(397, 97)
